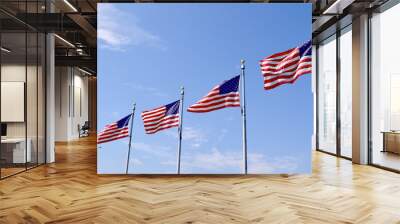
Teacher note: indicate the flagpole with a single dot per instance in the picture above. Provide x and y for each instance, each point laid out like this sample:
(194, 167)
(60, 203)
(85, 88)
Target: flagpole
(130, 138)
(244, 130)
(180, 130)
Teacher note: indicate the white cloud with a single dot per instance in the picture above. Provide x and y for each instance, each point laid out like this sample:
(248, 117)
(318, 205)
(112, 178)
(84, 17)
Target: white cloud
(147, 90)
(222, 135)
(171, 133)
(219, 160)
(154, 149)
(214, 161)
(116, 114)
(135, 162)
(195, 136)
(118, 30)
(229, 118)
(258, 163)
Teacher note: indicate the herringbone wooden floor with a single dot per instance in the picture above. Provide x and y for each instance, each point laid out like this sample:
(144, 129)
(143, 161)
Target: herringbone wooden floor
(69, 191)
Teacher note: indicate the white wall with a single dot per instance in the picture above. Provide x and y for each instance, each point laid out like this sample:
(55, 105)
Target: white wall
(17, 73)
(33, 126)
(13, 100)
(71, 102)
(81, 89)
(14, 72)
(62, 82)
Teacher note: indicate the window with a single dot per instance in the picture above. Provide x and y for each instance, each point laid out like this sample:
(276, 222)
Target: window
(22, 101)
(345, 42)
(385, 89)
(327, 95)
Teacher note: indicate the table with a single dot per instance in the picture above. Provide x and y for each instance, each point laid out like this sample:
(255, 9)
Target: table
(391, 141)
(16, 147)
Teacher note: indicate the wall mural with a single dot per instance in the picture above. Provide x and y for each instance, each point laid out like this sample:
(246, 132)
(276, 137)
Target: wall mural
(204, 88)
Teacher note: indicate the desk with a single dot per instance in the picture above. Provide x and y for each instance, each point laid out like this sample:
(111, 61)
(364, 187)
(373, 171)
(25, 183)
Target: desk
(391, 141)
(15, 148)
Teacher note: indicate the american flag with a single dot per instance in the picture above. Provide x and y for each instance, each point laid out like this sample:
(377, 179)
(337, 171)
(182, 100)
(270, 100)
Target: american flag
(161, 118)
(221, 96)
(286, 67)
(114, 130)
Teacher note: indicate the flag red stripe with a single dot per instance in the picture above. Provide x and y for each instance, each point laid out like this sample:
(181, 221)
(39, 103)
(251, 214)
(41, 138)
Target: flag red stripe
(270, 72)
(220, 100)
(163, 128)
(159, 119)
(117, 133)
(111, 139)
(214, 100)
(215, 104)
(287, 64)
(114, 130)
(148, 112)
(218, 97)
(285, 76)
(151, 128)
(113, 135)
(153, 115)
(122, 131)
(111, 130)
(154, 119)
(167, 118)
(280, 54)
(268, 87)
(212, 109)
(286, 67)
(280, 64)
(293, 55)
(270, 81)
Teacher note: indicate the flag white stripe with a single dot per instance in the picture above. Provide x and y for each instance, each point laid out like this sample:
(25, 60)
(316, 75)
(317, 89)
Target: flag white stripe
(286, 79)
(162, 124)
(280, 71)
(285, 67)
(150, 115)
(279, 57)
(122, 132)
(215, 106)
(157, 119)
(149, 124)
(152, 119)
(237, 98)
(215, 99)
(163, 127)
(113, 132)
(210, 94)
(153, 111)
(272, 76)
(113, 138)
(303, 60)
(294, 53)
(218, 96)
(279, 65)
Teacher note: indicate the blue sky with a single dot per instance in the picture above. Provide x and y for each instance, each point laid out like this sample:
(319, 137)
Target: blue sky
(147, 51)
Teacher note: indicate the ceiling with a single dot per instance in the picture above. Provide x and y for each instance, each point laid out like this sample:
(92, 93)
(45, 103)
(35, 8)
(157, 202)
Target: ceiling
(75, 22)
